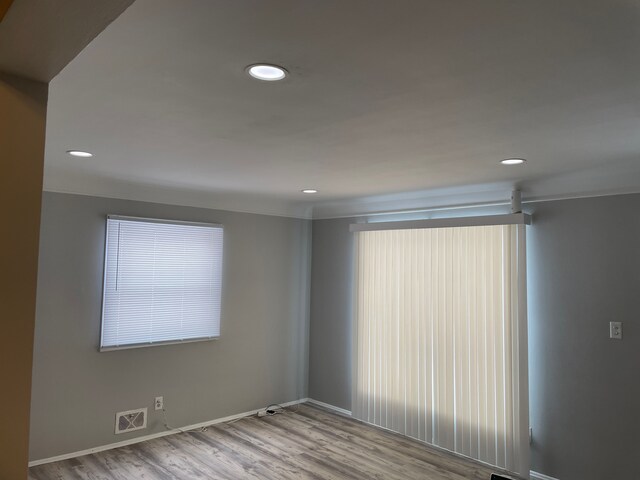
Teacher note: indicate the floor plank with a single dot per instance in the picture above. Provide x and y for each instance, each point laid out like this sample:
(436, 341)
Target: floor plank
(306, 442)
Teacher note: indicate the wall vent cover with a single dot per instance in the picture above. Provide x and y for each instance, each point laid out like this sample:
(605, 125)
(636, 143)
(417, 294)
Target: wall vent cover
(131, 420)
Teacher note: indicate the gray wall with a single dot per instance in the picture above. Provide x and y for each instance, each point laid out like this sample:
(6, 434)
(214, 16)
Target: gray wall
(260, 358)
(331, 308)
(583, 271)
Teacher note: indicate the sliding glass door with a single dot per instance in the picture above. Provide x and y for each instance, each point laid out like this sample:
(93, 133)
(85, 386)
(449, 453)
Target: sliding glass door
(440, 339)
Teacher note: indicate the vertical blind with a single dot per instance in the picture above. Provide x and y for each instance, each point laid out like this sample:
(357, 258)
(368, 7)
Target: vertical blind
(162, 282)
(440, 339)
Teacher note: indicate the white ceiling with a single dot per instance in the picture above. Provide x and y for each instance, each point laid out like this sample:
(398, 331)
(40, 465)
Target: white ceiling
(390, 104)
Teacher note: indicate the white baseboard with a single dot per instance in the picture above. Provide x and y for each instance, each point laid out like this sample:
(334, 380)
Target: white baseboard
(144, 438)
(330, 407)
(540, 476)
(131, 441)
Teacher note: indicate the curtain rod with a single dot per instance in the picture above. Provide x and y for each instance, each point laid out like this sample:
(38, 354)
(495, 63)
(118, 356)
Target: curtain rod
(481, 220)
(516, 217)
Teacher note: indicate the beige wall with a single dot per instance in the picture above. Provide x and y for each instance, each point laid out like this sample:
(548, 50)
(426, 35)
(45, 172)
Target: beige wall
(22, 131)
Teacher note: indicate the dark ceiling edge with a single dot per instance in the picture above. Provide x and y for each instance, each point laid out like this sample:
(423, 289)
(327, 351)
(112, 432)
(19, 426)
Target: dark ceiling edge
(92, 36)
(5, 5)
(39, 39)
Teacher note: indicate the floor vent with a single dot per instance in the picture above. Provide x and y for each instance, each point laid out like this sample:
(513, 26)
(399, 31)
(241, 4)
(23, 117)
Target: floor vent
(131, 420)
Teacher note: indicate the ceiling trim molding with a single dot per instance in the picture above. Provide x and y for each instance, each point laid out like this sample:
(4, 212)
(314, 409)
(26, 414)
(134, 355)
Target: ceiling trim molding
(501, 199)
(495, 201)
(213, 205)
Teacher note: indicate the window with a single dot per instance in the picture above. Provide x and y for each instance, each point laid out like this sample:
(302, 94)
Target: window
(162, 282)
(440, 352)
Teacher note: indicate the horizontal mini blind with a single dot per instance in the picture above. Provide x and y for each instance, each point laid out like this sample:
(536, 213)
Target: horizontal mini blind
(162, 282)
(440, 339)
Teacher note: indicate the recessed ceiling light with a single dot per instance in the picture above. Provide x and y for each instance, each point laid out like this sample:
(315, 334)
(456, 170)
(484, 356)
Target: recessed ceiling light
(309, 190)
(266, 72)
(512, 161)
(79, 153)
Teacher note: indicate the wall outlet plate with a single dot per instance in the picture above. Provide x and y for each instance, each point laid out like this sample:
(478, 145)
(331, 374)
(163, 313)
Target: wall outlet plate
(158, 403)
(615, 330)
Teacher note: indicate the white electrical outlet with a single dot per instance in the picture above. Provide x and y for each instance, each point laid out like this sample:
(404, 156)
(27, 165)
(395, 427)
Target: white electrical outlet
(615, 330)
(158, 403)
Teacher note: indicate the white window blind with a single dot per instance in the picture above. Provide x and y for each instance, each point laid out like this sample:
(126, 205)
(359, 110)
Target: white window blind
(162, 282)
(440, 340)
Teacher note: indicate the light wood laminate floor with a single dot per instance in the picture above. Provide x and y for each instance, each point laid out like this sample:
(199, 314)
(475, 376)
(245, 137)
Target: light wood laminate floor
(310, 443)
